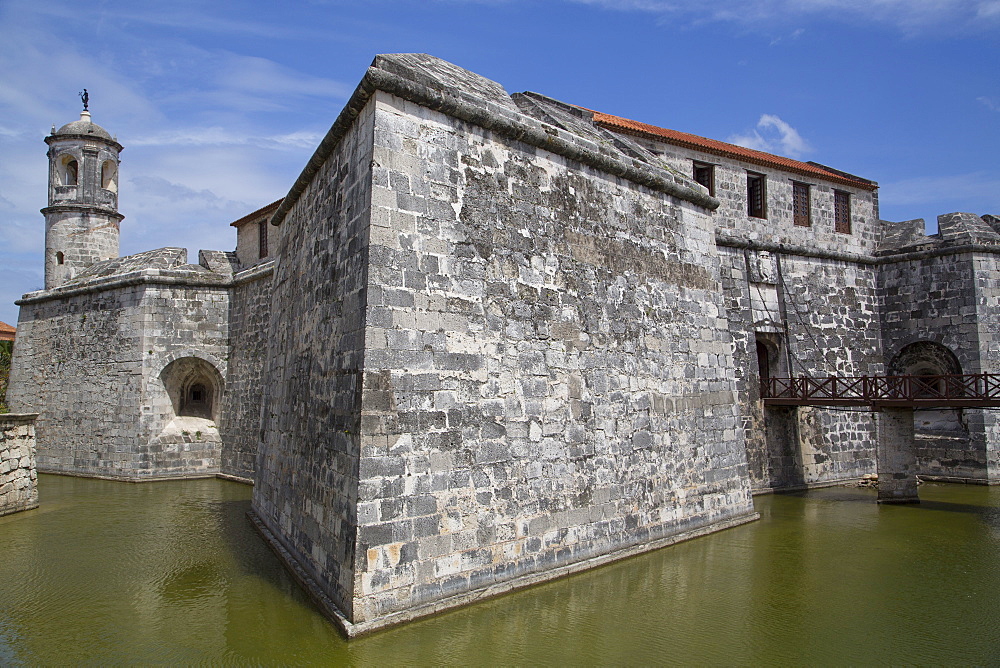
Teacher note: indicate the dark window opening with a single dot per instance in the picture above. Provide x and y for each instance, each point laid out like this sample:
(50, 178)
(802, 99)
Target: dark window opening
(801, 205)
(262, 238)
(842, 211)
(705, 175)
(60, 258)
(763, 362)
(756, 195)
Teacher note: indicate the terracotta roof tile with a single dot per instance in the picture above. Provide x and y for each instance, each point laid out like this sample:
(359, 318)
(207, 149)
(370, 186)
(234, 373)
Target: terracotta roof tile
(618, 124)
(263, 211)
(6, 332)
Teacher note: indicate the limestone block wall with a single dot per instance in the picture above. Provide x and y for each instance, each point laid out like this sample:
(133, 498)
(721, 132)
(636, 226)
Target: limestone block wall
(185, 325)
(943, 291)
(987, 271)
(548, 370)
(778, 227)
(306, 485)
(78, 364)
(18, 490)
(249, 320)
(819, 317)
(90, 364)
(933, 299)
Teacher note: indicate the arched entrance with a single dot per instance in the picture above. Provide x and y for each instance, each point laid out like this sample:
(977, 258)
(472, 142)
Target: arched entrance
(194, 387)
(927, 359)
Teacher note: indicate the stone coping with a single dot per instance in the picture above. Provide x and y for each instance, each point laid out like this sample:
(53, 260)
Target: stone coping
(877, 258)
(923, 253)
(491, 116)
(18, 418)
(187, 278)
(353, 630)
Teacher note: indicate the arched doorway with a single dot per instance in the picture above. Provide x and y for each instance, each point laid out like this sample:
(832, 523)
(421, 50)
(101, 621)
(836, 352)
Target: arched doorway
(194, 387)
(926, 360)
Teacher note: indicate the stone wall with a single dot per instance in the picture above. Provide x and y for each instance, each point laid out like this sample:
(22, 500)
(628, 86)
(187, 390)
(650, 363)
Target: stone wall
(818, 316)
(91, 364)
(18, 490)
(249, 321)
(489, 363)
(548, 375)
(78, 364)
(943, 291)
(306, 485)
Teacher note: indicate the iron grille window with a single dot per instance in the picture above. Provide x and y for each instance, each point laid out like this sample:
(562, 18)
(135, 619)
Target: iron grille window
(842, 211)
(800, 204)
(705, 175)
(262, 238)
(756, 195)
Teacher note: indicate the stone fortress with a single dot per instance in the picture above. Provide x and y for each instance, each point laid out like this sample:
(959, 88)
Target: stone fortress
(489, 339)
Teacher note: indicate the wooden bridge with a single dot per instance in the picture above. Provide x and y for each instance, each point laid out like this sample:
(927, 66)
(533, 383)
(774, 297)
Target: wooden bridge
(974, 390)
(894, 398)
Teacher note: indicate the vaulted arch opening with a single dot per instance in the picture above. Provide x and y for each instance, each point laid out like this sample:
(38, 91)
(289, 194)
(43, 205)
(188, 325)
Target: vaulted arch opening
(69, 171)
(109, 176)
(194, 387)
(927, 360)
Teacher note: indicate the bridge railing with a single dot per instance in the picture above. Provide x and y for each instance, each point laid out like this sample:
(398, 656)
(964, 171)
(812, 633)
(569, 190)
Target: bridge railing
(977, 389)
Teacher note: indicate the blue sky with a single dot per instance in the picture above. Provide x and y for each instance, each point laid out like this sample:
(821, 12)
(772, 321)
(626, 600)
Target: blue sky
(219, 104)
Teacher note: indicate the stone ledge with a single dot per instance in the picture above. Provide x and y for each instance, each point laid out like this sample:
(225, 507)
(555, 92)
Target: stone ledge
(129, 478)
(353, 630)
(18, 418)
(144, 277)
(761, 491)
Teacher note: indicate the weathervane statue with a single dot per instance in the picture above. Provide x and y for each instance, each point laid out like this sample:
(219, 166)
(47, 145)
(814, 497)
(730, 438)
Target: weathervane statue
(85, 96)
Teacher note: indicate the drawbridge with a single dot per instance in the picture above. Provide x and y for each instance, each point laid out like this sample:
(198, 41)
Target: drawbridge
(894, 398)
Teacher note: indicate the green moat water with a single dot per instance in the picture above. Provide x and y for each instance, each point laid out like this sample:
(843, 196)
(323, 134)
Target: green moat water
(171, 573)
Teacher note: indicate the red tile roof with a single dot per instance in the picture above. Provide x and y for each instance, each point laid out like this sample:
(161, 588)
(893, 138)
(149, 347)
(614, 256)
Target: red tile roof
(721, 148)
(263, 211)
(6, 331)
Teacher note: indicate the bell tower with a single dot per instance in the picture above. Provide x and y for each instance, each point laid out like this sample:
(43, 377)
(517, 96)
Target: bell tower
(81, 220)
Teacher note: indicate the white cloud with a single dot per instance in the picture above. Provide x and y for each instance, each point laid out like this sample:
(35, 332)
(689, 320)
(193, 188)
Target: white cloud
(907, 15)
(774, 136)
(218, 136)
(989, 103)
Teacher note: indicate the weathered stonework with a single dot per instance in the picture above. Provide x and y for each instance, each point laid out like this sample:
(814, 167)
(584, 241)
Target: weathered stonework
(545, 375)
(249, 322)
(144, 320)
(489, 339)
(941, 301)
(18, 490)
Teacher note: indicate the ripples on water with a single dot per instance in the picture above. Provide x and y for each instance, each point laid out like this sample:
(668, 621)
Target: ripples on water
(172, 573)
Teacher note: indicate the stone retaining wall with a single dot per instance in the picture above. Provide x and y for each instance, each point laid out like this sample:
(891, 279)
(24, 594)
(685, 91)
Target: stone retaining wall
(18, 490)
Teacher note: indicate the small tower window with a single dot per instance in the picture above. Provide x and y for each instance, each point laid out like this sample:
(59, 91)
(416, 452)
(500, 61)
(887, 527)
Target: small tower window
(262, 238)
(60, 258)
(109, 174)
(71, 172)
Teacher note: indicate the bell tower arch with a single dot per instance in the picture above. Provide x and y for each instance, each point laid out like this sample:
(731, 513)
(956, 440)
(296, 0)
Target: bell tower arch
(81, 220)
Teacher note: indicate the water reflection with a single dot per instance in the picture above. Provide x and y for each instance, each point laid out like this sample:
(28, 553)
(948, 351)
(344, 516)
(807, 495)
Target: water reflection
(117, 573)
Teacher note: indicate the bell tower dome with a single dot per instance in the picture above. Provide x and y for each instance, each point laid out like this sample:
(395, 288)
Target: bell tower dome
(81, 220)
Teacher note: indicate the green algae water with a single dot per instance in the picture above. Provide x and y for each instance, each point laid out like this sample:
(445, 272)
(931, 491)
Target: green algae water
(172, 573)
